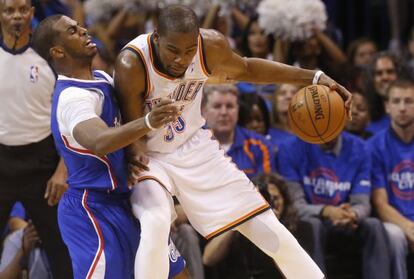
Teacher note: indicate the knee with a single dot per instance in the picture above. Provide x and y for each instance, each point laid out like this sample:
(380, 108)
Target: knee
(314, 224)
(396, 237)
(155, 225)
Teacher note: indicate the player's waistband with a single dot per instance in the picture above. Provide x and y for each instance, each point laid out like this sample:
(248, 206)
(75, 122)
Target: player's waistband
(97, 196)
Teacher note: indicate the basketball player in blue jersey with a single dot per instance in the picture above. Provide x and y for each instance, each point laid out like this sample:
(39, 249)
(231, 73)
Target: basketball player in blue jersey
(393, 174)
(174, 62)
(94, 217)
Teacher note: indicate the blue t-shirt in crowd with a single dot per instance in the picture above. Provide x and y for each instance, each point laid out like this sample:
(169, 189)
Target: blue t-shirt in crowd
(393, 169)
(278, 136)
(327, 178)
(379, 125)
(251, 152)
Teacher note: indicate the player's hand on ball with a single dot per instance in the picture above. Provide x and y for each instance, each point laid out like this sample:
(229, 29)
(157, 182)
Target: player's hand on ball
(345, 94)
(164, 112)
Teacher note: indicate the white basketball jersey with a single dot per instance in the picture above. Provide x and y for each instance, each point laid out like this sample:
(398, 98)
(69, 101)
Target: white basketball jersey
(186, 90)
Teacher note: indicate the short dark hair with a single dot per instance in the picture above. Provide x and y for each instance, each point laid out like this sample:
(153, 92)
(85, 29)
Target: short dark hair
(400, 83)
(247, 101)
(44, 37)
(177, 18)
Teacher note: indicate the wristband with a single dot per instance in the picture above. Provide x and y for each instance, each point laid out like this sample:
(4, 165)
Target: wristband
(147, 122)
(316, 77)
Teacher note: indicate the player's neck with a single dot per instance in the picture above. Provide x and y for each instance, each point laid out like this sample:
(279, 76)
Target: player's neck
(405, 134)
(14, 43)
(77, 71)
(225, 137)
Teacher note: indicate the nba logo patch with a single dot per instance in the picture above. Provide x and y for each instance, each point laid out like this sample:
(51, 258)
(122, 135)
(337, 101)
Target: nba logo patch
(34, 73)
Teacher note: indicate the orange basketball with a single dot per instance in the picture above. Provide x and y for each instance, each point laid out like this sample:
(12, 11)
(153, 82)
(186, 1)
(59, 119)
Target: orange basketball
(317, 114)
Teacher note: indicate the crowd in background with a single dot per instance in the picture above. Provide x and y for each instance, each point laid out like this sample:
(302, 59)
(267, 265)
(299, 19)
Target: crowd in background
(321, 193)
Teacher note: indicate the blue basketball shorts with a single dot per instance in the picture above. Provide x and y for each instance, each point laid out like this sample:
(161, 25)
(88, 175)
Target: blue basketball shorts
(102, 235)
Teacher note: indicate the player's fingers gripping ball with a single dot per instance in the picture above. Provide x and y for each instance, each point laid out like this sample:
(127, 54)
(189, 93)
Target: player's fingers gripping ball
(317, 114)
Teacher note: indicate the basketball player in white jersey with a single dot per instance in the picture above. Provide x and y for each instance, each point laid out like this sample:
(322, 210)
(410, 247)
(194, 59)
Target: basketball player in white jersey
(174, 62)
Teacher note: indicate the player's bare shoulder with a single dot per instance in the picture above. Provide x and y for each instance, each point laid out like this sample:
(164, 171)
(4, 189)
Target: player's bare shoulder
(216, 48)
(129, 73)
(128, 60)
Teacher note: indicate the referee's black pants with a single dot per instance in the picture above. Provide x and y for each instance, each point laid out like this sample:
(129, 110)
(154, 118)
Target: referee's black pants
(24, 172)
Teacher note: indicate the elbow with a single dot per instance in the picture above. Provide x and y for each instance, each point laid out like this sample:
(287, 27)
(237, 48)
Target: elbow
(209, 260)
(100, 149)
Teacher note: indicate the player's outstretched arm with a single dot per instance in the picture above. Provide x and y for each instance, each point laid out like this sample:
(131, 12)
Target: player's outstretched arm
(222, 61)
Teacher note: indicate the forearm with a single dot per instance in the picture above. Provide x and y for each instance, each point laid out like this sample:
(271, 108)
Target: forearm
(14, 269)
(266, 71)
(305, 210)
(388, 213)
(108, 140)
(217, 248)
(361, 205)
(334, 52)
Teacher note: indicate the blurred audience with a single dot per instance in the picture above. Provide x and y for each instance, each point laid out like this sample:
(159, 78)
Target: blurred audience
(250, 151)
(360, 117)
(330, 186)
(393, 174)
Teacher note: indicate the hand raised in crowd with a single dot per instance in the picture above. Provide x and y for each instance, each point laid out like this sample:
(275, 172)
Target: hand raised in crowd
(164, 112)
(345, 94)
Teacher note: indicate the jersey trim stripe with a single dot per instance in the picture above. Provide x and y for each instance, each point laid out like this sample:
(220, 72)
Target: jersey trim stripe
(239, 221)
(150, 177)
(100, 271)
(263, 148)
(201, 55)
(147, 77)
(152, 60)
(86, 152)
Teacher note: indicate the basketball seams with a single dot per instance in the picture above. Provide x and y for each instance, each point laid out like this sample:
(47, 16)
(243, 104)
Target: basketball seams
(310, 116)
(339, 127)
(296, 125)
(329, 114)
(303, 128)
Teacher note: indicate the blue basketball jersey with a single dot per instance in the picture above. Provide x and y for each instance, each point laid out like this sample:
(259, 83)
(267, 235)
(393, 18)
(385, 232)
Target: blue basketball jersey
(393, 169)
(85, 169)
(327, 178)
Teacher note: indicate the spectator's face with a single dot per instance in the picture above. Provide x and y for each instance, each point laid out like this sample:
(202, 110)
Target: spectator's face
(221, 112)
(400, 107)
(360, 114)
(385, 73)
(74, 40)
(283, 97)
(278, 203)
(176, 51)
(15, 16)
(258, 41)
(364, 54)
(256, 121)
